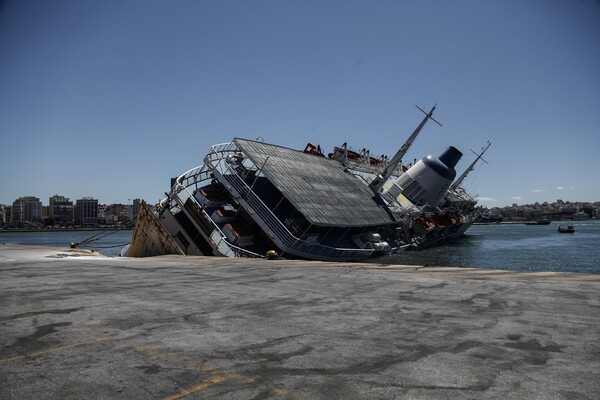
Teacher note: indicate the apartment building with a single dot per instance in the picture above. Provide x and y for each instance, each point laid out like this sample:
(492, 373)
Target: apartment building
(26, 210)
(86, 212)
(60, 210)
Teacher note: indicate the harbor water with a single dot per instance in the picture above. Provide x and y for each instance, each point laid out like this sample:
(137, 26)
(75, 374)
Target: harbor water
(108, 243)
(517, 247)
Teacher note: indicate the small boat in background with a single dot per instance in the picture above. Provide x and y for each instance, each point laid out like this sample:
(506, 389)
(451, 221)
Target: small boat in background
(568, 229)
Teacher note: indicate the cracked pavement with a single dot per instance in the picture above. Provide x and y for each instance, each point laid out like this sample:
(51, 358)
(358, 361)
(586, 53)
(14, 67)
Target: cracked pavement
(87, 326)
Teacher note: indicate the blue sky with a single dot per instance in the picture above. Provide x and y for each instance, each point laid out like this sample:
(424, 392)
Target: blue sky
(111, 99)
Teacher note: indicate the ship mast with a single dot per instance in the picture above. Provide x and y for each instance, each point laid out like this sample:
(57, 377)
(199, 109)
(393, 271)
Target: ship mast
(470, 168)
(380, 180)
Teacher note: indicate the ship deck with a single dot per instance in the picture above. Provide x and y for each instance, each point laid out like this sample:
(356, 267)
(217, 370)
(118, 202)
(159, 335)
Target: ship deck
(317, 186)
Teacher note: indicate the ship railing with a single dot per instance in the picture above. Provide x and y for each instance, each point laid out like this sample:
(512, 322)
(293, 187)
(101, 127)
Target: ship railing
(220, 152)
(275, 227)
(461, 192)
(200, 174)
(181, 193)
(191, 178)
(216, 235)
(194, 180)
(221, 167)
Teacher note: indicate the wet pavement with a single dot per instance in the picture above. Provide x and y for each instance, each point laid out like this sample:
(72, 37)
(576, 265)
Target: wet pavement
(77, 325)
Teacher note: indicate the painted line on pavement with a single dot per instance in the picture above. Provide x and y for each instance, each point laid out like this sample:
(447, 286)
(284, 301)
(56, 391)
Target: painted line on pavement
(206, 384)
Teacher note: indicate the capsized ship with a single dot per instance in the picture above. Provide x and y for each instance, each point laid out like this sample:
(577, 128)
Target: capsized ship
(251, 198)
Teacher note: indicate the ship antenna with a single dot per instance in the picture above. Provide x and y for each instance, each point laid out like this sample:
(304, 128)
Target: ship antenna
(380, 180)
(470, 168)
(430, 112)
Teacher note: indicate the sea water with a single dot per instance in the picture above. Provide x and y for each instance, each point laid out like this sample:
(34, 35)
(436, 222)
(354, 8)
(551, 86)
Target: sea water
(108, 243)
(500, 246)
(516, 247)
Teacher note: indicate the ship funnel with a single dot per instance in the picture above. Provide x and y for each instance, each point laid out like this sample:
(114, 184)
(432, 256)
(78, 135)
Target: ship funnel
(426, 182)
(451, 156)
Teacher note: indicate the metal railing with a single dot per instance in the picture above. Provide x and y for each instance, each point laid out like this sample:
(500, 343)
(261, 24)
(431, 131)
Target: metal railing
(180, 193)
(274, 227)
(216, 236)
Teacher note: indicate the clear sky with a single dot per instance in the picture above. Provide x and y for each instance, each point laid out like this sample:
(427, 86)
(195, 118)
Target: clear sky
(111, 99)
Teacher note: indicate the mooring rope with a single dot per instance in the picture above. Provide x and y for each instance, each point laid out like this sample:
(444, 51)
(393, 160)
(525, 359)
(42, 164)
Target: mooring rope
(110, 247)
(91, 239)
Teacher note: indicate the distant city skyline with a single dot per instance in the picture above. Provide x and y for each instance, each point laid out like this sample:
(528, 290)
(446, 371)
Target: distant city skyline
(61, 211)
(129, 201)
(67, 198)
(113, 99)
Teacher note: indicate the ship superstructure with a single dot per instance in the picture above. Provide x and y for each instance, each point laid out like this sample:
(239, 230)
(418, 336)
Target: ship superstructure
(250, 197)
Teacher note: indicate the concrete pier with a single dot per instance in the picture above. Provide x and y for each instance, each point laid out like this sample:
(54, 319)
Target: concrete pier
(77, 325)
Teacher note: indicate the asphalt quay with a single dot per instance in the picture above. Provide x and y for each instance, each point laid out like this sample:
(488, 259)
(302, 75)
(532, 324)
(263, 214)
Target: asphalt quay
(74, 324)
